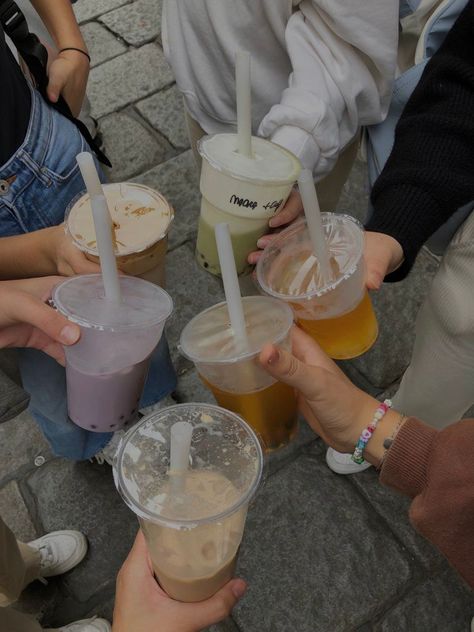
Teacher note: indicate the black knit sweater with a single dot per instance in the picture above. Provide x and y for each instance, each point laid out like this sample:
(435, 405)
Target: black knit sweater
(430, 172)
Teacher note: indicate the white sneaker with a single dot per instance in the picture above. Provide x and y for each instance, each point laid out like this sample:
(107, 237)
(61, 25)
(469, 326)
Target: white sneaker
(59, 551)
(343, 463)
(108, 452)
(85, 625)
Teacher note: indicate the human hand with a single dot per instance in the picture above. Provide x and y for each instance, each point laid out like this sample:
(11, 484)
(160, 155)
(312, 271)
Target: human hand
(142, 606)
(336, 409)
(67, 258)
(68, 75)
(383, 254)
(26, 321)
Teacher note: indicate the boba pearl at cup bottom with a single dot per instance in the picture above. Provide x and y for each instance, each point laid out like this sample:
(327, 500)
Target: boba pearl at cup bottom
(193, 521)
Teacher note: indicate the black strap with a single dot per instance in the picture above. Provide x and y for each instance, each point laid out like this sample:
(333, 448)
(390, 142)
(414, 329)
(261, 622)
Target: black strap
(35, 56)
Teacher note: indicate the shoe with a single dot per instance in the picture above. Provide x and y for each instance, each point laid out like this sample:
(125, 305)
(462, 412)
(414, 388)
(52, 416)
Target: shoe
(108, 452)
(343, 463)
(85, 625)
(59, 551)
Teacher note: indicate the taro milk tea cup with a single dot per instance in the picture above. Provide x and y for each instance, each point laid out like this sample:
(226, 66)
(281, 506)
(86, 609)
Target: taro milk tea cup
(338, 315)
(107, 368)
(141, 220)
(243, 191)
(233, 373)
(193, 523)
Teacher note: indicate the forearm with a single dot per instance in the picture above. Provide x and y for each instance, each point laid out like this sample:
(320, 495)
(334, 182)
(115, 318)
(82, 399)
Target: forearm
(61, 22)
(28, 255)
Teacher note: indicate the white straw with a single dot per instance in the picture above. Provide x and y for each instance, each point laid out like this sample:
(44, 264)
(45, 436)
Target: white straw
(315, 226)
(180, 444)
(89, 174)
(231, 282)
(244, 103)
(105, 247)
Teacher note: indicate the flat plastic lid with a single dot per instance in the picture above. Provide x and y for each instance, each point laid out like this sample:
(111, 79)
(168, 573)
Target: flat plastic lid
(141, 217)
(208, 337)
(82, 300)
(287, 268)
(270, 162)
(226, 463)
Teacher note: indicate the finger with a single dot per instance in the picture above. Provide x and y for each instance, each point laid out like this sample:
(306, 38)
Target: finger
(265, 240)
(254, 257)
(29, 309)
(289, 212)
(286, 368)
(306, 349)
(203, 614)
(57, 81)
(374, 279)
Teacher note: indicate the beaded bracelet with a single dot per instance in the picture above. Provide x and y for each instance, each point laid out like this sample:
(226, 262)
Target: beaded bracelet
(358, 456)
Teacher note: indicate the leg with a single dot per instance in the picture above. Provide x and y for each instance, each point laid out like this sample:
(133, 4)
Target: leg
(330, 188)
(19, 565)
(13, 621)
(438, 385)
(195, 133)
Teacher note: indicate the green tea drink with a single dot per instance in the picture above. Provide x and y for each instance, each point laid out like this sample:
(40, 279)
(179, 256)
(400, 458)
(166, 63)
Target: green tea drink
(243, 191)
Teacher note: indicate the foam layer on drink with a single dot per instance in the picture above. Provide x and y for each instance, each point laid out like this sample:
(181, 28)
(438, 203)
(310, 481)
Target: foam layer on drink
(268, 162)
(140, 216)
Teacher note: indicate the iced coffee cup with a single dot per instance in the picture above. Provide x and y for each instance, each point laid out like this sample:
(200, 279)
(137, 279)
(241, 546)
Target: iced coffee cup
(193, 524)
(106, 369)
(337, 314)
(141, 220)
(233, 373)
(243, 191)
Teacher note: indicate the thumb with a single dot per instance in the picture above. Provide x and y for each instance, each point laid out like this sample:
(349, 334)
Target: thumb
(218, 607)
(30, 309)
(374, 278)
(283, 366)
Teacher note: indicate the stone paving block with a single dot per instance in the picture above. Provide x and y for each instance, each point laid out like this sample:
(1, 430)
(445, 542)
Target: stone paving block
(191, 389)
(83, 496)
(178, 181)
(137, 23)
(130, 146)
(393, 507)
(440, 604)
(355, 194)
(396, 306)
(316, 557)
(14, 512)
(102, 45)
(89, 9)
(20, 442)
(129, 77)
(165, 112)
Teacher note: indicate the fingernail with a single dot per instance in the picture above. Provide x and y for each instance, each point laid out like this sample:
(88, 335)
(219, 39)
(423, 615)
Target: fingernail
(274, 357)
(261, 243)
(271, 223)
(69, 334)
(239, 589)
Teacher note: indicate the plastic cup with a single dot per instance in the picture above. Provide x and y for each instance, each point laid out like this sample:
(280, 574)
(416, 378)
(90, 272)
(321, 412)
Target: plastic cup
(194, 529)
(106, 369)
(338, 315)
(244, 192)
(233, 373)
(142, 218)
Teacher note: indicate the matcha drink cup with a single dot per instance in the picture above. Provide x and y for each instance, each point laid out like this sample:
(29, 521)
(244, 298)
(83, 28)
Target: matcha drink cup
(232, 371)
(193, 524)
(338, 314)
(243, 191)
(106, 369)
(141, 219)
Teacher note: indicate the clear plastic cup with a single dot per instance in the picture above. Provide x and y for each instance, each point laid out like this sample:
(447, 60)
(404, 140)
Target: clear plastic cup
(338, 315)
(107, 368)
(193, 526)
(244, 192)
(142, 218)
(233, 373)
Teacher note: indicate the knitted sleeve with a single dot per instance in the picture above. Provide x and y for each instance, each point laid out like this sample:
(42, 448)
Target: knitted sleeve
(429, 173)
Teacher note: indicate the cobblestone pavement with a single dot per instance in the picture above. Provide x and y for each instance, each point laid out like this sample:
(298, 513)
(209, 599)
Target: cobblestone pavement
(322, 553)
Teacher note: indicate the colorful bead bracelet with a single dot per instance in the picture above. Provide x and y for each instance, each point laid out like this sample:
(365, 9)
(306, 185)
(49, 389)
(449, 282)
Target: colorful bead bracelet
(358, 456)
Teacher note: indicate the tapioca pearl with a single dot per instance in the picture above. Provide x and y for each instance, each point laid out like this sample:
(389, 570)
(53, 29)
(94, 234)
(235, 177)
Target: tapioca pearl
(206, 265)
(112, 425)
(133, 411)
(93, 426)
(122, 417)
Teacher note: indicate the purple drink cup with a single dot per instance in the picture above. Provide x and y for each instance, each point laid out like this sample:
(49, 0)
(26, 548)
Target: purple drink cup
(107, 368)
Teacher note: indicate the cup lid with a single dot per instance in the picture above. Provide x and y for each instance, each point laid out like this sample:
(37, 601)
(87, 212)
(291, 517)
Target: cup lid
(141, 217)
(269, 164)
(226, 463)
(288, 270)
(208, 337)
(82, 300)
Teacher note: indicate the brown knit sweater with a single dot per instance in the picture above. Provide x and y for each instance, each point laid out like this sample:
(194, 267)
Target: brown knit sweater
(436, 468)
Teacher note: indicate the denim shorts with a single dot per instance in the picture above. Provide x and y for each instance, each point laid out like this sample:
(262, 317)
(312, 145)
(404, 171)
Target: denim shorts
(36, 185)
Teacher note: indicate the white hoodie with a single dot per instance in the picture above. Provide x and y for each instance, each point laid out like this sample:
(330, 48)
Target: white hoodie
(320, 68)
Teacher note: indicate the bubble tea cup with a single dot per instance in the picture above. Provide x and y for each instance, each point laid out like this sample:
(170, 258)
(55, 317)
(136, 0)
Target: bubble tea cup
(193, 530)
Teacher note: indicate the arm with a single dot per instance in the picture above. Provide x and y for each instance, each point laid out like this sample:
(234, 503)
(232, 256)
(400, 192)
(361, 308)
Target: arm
(343, 64)
(428, 175)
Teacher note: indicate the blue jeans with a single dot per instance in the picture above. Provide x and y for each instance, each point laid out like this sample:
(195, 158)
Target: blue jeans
(39, 181)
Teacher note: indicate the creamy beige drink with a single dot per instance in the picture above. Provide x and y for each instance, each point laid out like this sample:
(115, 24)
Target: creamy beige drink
(141, 220)
(193, 521)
